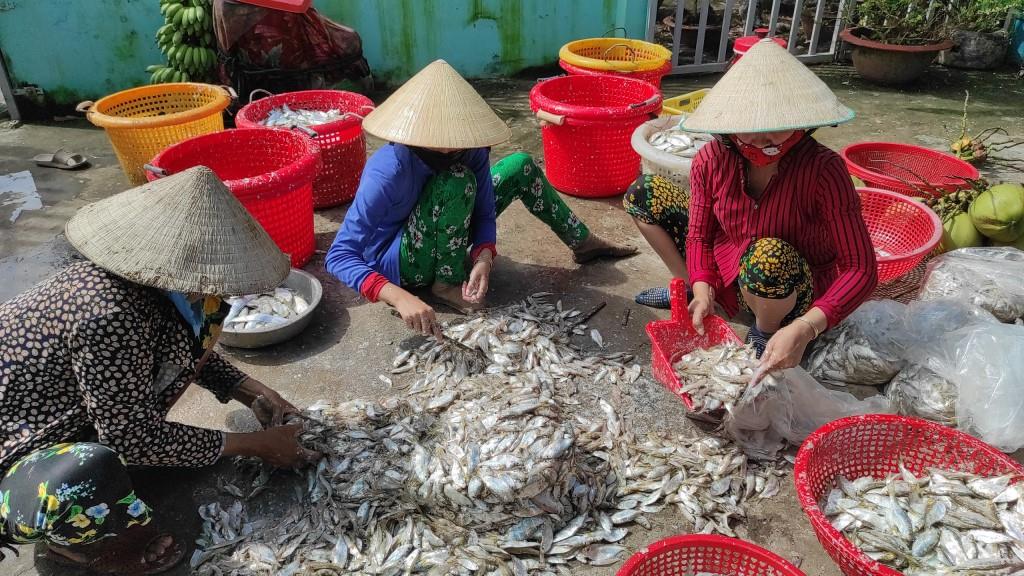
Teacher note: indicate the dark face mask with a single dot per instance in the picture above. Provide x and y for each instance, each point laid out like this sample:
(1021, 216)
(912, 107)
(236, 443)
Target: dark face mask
(440, 161)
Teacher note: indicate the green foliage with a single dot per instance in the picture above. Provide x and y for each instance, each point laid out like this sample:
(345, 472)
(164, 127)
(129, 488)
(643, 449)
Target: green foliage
(904, 22)
(983, 15)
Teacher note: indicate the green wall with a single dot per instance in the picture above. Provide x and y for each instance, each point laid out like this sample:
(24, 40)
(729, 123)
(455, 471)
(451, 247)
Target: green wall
(83, 49)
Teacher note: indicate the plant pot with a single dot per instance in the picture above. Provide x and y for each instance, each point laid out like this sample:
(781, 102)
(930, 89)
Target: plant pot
(890, 64)
(975, 50)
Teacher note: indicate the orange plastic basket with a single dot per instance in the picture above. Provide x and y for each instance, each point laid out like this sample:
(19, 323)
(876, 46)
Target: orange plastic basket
(142, 122)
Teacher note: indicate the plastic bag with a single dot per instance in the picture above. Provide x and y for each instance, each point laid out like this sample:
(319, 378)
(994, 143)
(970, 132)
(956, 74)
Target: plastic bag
(863, 348)
(787, 407)
(917, 391)
(987, 277)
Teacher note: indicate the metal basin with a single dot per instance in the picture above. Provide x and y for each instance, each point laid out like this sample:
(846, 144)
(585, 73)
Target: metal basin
(307, 286)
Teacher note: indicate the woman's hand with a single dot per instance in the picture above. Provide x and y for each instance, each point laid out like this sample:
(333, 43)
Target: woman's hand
(785, 348)
(475, 289)
(418, 316)
(278, 446)
(266, 404)
(701, 305)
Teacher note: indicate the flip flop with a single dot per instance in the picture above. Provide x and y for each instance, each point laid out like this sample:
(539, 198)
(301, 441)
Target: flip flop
(61, 159)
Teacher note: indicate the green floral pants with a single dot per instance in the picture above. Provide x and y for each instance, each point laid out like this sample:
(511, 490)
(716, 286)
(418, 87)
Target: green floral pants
(437, 234)
(68, 494)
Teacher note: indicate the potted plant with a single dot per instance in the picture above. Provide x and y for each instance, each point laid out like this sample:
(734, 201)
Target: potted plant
(894, 41)
(979, 34)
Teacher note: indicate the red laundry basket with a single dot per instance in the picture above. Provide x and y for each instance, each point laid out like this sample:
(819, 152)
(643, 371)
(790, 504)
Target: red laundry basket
(652, 76)
(903, 231)
(342, 142)
(589, 121)
(672, 338)
(696, 553)
(905, 169)
(875, 445)
(270, 172)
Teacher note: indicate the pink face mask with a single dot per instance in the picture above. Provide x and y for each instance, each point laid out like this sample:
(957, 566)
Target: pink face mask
(759, 156)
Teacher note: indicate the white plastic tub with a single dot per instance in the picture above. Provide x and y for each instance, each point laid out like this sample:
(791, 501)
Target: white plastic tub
(653, 161)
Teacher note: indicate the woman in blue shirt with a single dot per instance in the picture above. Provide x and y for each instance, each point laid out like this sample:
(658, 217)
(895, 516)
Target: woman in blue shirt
(430, 196)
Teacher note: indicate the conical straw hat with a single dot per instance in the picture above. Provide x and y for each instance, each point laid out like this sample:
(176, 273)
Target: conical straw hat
(185, 233)
(437, 108)
(767, 90)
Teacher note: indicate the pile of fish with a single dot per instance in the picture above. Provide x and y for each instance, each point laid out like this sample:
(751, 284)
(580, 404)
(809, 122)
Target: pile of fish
(843, 356)
(678, 142)
(257, 311)
(945, 523)
(917, 391)
(288, 117)
(486, 464)
(716, 377)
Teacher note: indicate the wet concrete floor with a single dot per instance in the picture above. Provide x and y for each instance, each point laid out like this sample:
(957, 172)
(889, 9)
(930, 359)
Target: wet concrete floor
(351, 341)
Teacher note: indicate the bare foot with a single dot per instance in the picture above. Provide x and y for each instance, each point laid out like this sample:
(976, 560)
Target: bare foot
(596, 247)
(452, 296)
(158, 547)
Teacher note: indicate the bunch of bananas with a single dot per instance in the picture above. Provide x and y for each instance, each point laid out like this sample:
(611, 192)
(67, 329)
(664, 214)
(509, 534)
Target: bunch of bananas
(185, 39)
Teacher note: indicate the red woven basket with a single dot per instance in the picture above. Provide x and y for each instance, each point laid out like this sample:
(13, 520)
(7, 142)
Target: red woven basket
(695, 553)
(651, 76)
(905, 169)
(342, 142)
(903, 231)
(874, 445)
(270, 172)
(589, 121)
(672, 338)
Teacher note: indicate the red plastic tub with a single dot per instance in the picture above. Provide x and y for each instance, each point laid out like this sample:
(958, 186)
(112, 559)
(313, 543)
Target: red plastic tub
(342, 142)
(905, 168)
(695, 553)
(652, 76)
(270, 172)
(672, 338)
(875, 445)
(903, 231)
(588, 123)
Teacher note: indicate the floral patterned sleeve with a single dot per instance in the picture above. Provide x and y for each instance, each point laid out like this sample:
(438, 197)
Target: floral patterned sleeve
(220, 377)
(114, 366)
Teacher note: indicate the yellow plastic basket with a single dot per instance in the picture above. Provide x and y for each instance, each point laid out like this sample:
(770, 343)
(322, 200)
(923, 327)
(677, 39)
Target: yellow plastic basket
(141, 122)
(684, 104)
(615, 54)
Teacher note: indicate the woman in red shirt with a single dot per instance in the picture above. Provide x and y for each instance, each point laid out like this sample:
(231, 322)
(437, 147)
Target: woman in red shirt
(772, 223)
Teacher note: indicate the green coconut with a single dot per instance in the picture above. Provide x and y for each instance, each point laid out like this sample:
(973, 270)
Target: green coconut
(1018, 243)
(959, 232)
(998, 212)
(857, 182)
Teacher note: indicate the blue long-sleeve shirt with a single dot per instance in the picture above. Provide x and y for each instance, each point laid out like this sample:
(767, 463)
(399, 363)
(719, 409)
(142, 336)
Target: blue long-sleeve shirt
(369, 239)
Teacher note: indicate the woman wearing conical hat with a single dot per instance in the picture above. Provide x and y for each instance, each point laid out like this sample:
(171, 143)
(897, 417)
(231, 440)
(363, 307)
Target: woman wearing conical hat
(772, 223)
(425, 211)
(92, 360)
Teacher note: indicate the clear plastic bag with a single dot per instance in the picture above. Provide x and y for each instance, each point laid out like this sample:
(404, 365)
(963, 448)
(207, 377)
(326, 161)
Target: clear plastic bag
(787, 407)
(992, 278)
(863, 348)
(917, 391)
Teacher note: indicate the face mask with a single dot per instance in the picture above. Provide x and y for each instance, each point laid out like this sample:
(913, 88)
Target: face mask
(440, 161)
(761, 157)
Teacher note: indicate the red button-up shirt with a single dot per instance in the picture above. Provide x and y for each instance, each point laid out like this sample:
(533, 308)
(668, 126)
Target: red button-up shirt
(810, 203)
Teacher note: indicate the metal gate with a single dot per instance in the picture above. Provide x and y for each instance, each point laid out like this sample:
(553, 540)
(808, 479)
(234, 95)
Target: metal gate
(700, 32)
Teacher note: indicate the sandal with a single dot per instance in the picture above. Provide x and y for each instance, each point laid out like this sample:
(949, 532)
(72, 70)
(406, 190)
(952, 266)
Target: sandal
(61, 159)
(113, 559)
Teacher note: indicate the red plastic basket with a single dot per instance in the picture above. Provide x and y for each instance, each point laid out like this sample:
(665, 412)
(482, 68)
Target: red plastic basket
(270, 172)
(691, 554)
(672, 338)
(903, 231)
(342, 142)
(589, 121)
(874, 445)
(651, 76)
(904, 168)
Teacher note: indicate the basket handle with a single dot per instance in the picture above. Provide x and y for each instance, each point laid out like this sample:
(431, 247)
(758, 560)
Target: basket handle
(649, 102)
(545, 116)
(628, 48)
(84, 106)
(679, 303)
(158, 171)
(253, 93)
(230, 92)
(305, 130)
(625, 33)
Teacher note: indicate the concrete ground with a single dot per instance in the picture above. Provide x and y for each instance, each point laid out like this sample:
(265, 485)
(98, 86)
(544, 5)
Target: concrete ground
(351, 341)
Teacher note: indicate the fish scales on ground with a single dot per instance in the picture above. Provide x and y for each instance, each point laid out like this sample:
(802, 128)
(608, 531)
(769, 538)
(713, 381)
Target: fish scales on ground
(483, 466)
(285, 116)
(258, 311)
(935, 523)
(716, 377)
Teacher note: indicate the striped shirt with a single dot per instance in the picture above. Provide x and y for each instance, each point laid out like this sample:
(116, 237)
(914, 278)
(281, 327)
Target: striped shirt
(810, 203)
